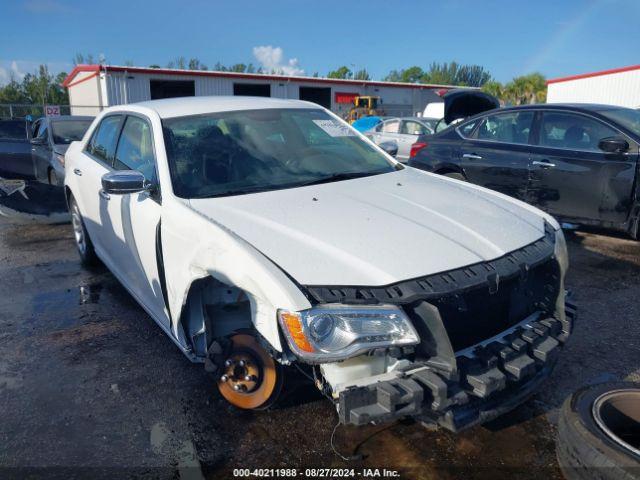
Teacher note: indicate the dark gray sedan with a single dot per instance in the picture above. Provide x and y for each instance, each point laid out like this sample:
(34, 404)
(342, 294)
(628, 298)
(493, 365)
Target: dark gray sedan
(578, 162)
(51, 137)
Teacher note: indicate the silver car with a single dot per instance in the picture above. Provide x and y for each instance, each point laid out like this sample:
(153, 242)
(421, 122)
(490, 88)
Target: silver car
(403, 132)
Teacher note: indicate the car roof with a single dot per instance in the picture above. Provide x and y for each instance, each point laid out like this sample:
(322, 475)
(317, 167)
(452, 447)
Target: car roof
(67, 118)
(184, 106)
(592, 107)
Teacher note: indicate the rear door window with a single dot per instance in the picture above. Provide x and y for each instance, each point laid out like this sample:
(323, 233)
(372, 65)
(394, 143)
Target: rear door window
(509, 127)
(135, 148)
(392, 126)
(103, 141)
(466, 130)
(572, 131)
(410, 127)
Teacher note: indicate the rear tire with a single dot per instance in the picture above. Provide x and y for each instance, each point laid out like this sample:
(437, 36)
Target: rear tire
(455, 175)
(84, 245)
(584, 451)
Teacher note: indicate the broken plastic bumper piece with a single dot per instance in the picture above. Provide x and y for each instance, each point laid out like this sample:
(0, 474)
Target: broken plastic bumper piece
(491, 379)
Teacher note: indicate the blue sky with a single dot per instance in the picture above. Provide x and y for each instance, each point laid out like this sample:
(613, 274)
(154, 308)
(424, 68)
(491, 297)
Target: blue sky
(508, 37)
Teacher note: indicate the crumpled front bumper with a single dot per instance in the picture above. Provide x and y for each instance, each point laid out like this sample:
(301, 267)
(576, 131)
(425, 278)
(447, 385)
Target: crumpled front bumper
(492, 378)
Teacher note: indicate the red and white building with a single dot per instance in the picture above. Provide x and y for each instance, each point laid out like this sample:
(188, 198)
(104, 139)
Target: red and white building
(619, 86)
(93, 87)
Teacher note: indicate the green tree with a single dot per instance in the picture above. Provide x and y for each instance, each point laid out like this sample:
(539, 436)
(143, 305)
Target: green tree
(342, 72)
(393, 76)
(179, 62)
(195, 64)
(411, 75)
(495, 88)
(12, 92)
(362, 75)
(83, 59)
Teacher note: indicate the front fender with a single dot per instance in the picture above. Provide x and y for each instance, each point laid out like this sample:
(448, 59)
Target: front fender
(196, 247)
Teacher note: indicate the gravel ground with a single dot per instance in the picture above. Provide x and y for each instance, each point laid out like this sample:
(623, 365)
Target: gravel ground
(90, 386)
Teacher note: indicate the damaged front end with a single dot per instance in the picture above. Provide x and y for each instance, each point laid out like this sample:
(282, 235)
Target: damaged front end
(488, 334)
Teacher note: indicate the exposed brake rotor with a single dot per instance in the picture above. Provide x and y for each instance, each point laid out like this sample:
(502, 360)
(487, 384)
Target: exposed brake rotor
(250, 378)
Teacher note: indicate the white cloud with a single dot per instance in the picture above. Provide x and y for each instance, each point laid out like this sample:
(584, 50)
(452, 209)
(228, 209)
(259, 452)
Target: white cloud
(19, 75)
(271, 60)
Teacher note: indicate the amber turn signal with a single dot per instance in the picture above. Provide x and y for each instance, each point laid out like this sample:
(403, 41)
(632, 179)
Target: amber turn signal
(293, 324)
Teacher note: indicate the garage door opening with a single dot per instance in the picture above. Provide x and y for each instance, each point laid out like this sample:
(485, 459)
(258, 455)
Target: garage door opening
(319, 95)
(172, 88)
(252, 89)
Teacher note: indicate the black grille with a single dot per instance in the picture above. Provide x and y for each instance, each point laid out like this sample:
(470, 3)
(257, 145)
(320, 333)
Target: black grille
(483, 312)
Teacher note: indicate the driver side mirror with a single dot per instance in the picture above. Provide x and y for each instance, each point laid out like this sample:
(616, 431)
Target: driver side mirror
(613, 145)
(121, 182)
(390, 147)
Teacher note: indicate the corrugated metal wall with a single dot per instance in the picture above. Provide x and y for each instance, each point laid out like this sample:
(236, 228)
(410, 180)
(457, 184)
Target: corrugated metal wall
(622, 88)
(122, 87)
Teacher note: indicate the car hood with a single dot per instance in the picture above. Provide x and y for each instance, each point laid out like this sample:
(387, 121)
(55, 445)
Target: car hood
(376, 230)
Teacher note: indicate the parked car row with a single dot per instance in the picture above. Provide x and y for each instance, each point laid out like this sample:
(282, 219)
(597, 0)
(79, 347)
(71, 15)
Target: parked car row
(404, 133)
(32, 164)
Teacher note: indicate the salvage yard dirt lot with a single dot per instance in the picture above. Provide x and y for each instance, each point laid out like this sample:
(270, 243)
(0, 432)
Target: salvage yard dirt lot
(89, 382)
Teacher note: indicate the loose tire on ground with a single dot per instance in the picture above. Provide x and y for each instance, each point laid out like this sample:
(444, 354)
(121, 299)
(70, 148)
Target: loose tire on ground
(583, 450)
(84, 245)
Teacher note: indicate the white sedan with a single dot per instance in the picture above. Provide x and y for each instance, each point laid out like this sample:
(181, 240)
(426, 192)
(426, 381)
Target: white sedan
(261, 233)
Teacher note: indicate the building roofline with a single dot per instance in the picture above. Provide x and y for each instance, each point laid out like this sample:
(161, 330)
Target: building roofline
(593, 74)
(247, 76)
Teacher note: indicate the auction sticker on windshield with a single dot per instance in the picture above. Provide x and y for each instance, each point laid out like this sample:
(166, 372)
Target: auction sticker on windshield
(335, 129)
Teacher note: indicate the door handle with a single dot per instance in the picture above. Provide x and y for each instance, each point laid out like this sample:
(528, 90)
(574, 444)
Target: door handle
(104, 195)
(472, 156)
(77, 171)
(546, 164)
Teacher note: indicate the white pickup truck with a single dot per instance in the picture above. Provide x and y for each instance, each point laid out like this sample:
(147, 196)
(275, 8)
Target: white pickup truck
(261, 233)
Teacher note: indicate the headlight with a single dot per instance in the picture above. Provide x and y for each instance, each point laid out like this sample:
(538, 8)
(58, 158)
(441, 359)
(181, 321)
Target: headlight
(336, 332)
(60, 158)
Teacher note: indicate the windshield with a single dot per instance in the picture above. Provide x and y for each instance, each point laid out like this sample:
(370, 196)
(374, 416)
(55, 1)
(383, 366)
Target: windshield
(247, 151)
(68, 131)
(628, 118)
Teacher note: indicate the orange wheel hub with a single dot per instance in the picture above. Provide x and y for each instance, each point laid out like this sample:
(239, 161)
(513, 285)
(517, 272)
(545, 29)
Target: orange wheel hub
(250, 378)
